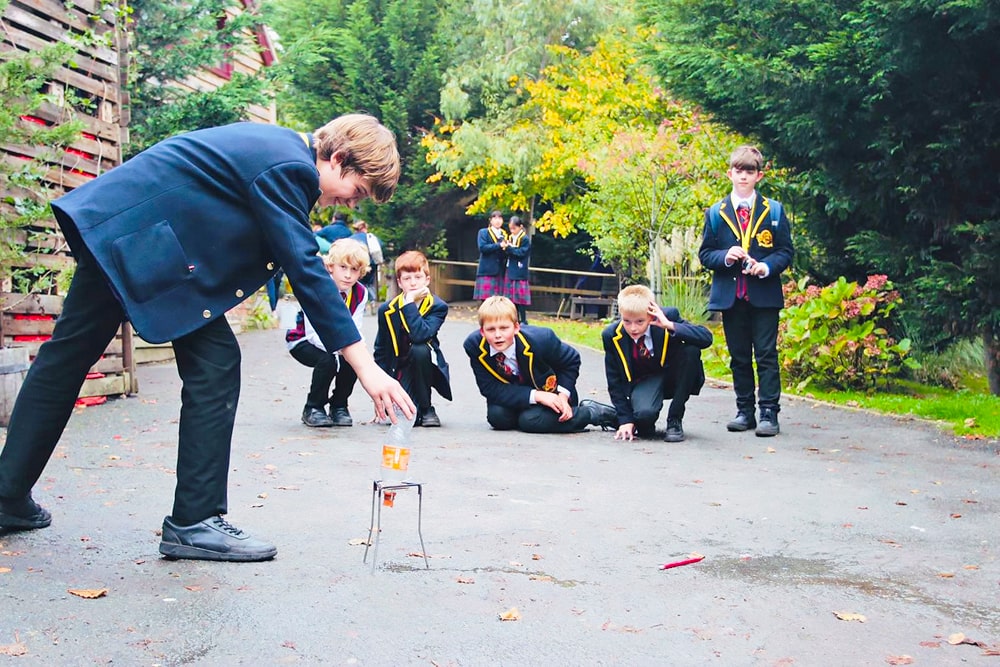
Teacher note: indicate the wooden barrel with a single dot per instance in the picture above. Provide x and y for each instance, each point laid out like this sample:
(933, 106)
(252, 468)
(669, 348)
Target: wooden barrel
(13, 368)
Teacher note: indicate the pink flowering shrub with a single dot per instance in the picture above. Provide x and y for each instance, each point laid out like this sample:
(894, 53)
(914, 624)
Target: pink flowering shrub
(837, 336)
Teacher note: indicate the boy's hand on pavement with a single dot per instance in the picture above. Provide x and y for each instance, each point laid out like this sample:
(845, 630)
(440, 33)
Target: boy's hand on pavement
(625, 432)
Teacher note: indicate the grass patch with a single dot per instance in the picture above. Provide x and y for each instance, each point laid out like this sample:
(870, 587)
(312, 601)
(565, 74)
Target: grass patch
(969, 411)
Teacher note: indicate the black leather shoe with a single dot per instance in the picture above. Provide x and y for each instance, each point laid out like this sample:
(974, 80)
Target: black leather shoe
(742, 422)
(645, 430)
(675, 430)
(429, 417)
(212, 539)
(23, 514)
(316, 417)
(768, 426)
(340, 417)
(600, 414)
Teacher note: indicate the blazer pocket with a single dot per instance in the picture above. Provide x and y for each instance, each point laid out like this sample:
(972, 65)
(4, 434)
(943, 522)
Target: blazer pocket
(150, 261)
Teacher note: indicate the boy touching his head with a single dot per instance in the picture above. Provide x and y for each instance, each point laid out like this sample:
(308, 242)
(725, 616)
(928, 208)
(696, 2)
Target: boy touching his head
(651, 354)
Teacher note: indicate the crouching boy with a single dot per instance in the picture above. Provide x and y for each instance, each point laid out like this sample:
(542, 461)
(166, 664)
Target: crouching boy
(347, 261)
(651, 354)
(406, 346)
(528, 376)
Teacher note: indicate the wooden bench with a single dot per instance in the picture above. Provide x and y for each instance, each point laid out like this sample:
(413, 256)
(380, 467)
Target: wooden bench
(577, 304)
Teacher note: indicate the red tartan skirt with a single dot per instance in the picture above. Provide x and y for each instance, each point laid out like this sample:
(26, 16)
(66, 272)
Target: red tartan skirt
(487, 286)
(518, 291)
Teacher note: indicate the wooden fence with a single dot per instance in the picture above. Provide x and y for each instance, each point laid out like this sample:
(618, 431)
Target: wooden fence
(95, 76)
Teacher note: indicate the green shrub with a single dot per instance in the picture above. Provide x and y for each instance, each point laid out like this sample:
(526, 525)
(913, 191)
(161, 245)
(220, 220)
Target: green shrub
(837, 336)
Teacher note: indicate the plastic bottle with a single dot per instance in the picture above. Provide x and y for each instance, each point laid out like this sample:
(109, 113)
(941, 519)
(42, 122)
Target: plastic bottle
(396, 451)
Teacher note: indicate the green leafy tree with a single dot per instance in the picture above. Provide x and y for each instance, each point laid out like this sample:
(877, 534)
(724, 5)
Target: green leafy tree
(32, 150)
(170, 42)
(383, 58)
(891, 110)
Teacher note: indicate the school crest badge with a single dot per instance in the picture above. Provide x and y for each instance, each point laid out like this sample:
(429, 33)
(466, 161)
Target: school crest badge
(550, 384)
(765, 239)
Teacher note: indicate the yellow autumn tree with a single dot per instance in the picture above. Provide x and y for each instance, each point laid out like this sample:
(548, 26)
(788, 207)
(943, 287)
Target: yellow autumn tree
(599, 147)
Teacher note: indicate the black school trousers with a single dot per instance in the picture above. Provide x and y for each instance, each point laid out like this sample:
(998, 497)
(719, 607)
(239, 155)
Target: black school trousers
(208, 362)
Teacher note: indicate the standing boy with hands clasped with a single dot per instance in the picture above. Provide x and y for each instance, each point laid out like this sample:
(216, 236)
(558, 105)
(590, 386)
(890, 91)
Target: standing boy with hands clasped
(747, 243)
(651, 354)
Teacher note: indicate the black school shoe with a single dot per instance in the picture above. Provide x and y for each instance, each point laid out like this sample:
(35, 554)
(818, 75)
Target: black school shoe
(316, 418)
(428, 418)
(23, 514)
(213, 539)
(600, 414)
(675, 430)
(340, 416)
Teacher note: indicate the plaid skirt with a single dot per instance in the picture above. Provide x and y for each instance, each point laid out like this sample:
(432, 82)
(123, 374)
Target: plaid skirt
(487, 286)
(518, 291)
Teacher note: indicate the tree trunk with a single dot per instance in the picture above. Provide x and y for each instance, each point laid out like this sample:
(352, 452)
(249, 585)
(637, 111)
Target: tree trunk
(991, 350)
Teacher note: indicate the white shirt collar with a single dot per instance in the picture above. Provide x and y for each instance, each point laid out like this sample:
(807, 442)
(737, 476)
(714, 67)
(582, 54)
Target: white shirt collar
(510, 353)
(737, 200)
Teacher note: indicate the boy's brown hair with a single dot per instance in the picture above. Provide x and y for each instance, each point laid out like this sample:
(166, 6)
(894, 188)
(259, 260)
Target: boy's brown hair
(366, 147)
(635, 300)
(497, 308)
(746, 158)
(413, 261)
(349, 252)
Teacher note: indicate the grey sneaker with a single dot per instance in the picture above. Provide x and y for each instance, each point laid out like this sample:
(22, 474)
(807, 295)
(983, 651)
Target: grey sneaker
(23, 514)
(767, 425)
(212, 539)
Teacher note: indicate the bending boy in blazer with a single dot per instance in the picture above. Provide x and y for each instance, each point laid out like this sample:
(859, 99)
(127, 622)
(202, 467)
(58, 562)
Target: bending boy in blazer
(170, 241)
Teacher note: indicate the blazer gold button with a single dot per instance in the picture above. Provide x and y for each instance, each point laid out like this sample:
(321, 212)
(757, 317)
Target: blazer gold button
(270, 266)
(206, 314)
(239, 293)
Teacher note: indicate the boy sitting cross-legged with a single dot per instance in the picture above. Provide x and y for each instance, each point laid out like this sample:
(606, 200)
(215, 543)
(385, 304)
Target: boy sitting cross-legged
(406, 346)
(347, 261)
(651, 354)
(528, 376)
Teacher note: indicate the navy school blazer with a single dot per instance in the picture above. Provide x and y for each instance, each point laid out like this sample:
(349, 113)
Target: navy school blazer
(769, 243)
(518, 256)
(491, 256)
(421, 322)
(195, 224)
(618, 355)
(540, 357)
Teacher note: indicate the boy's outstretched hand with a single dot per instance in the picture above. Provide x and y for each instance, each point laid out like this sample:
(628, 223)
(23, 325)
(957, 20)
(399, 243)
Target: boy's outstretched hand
(384, 390)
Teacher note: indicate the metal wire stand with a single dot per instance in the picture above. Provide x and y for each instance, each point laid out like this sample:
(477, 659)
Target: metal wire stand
(375, 525)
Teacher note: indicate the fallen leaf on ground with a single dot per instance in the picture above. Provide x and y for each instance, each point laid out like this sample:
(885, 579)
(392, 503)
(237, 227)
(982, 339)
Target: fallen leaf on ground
(511, 614)
(536, 556)
(931, 644)
(465, 580)
(849, 616)
(946, 575)
(540, 577)
(514, 563)
(15, 649)
(970, 567)
(359, 541)
(4, 570)
(88, 593)
(956, 516)
(899, 660)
